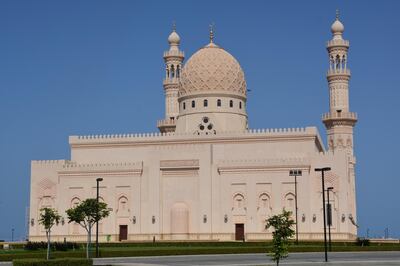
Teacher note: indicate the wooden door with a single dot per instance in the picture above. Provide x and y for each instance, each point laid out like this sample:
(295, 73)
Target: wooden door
(123, 232)
(239, 231)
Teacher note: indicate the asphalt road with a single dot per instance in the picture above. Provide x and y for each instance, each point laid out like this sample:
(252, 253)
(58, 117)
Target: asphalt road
(337, 258)
(298, 259)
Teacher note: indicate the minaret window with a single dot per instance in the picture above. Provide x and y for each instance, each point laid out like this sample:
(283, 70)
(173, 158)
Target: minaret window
(219, 102)
(230, 103)
(240, 105)
(172, 71)
(205, 103)
(193, 104)
(337, 62)
(178, 71)
(184, 105)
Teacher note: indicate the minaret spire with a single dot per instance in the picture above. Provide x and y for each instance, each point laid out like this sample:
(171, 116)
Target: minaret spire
(173, 26)
(339, 121)
(212, 33)
(173, 59)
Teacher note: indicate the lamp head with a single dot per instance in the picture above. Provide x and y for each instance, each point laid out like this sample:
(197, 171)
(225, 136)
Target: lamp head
(99, 179)
(295, 172)
(322, 169)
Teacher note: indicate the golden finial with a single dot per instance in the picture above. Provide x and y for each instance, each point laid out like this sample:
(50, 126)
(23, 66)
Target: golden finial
(337, 14)
(211, 32)
(173, 26)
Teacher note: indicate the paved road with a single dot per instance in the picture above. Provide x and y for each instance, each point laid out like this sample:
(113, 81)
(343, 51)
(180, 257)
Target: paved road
(299, 259)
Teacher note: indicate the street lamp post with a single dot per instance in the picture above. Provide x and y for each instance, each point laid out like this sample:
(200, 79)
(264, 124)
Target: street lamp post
(12, 234)
(323, 170)
(329, 218)
(296, 173)
(98, 180)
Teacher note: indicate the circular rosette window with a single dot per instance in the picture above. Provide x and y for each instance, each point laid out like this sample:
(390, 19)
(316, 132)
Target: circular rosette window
(205, 127)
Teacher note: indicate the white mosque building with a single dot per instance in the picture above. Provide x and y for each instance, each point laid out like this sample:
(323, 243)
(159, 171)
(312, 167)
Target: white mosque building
(206, 175)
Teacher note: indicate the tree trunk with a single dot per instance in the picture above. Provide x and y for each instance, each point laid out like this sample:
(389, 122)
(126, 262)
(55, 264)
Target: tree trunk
(88, 242)
(277, 262)
(48, 244)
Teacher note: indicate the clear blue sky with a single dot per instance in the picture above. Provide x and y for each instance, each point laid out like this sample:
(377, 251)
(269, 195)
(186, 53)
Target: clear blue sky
(96, 67)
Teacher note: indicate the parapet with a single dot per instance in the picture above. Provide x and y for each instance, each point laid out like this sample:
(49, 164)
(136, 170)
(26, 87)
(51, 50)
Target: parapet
(72, 166)
(152, 137)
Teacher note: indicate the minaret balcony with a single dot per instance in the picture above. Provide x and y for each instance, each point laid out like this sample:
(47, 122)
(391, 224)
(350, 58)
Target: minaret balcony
(337, 42)
(168, 81)
(349, 118)
(166, 125)
(338, 72)
(174, 53)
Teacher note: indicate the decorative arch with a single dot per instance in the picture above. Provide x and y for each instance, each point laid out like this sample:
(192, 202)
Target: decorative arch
(239, 205)
(239, 200)
(289, 202)
(264, 210)
(264, 202)
(123, 206)
(74, 227)
(75, 201)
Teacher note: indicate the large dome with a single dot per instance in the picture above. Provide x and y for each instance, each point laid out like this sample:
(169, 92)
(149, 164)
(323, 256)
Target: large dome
(212, 70)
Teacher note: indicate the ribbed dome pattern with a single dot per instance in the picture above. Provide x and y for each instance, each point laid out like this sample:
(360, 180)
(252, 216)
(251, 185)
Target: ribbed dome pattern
(212, 70)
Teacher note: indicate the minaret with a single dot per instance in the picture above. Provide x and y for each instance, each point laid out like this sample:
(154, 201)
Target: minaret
(173, 59)
(339, 122)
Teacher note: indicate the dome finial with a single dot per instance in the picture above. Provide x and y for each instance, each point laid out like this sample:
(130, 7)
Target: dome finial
(211, 32)
(337, 27)
(174, 38)
(173, 25)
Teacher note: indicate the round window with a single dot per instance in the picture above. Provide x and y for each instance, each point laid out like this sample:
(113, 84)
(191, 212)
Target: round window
(205, 120)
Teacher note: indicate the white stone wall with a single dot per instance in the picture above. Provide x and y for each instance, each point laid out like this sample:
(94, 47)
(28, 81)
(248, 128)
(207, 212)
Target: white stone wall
(175, 186)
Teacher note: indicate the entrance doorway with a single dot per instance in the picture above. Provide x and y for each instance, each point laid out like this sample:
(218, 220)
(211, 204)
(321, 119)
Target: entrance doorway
(123, 232)
(239, 232)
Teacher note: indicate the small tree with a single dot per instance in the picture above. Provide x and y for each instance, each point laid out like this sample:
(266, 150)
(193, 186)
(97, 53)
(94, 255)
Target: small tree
(282, 224)
(48, 218)
(86, 214)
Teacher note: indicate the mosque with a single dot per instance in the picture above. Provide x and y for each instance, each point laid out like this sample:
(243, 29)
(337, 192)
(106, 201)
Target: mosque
(206, 175)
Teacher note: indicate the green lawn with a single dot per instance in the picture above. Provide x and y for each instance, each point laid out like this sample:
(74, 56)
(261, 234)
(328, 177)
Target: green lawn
(189, 248)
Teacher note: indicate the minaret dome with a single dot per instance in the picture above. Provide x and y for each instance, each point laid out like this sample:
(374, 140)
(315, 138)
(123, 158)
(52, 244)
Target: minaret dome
(337, 27)
(174, 38)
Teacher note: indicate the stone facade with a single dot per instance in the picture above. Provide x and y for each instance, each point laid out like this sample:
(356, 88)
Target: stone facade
(206, 175)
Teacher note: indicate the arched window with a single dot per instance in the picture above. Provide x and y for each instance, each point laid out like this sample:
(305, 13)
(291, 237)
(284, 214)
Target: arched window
(205, 103)
(230, 103)
(172, 71)
(178, 71)
(219, 102)
(184, 105)
(193, 104)
(240, 105)
(337, 62)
